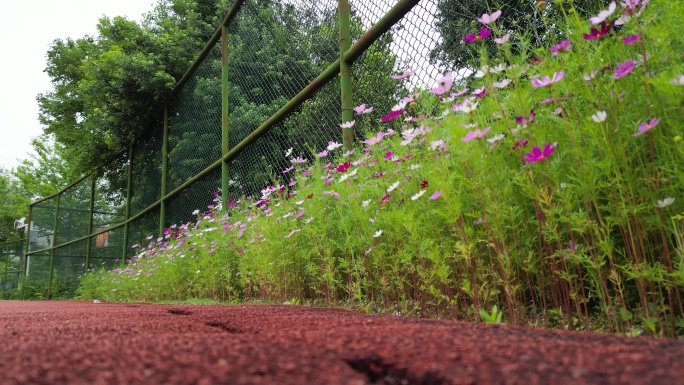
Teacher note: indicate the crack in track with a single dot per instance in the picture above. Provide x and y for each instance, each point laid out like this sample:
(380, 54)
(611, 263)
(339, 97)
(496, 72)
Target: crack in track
(380, 372)
(225, 327)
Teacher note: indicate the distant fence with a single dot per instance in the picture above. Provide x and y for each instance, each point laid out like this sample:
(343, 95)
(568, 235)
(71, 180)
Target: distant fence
(11, 262)
(260, 86)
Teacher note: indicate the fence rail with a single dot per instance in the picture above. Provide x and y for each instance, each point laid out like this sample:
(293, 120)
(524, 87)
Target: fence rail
(260, 94)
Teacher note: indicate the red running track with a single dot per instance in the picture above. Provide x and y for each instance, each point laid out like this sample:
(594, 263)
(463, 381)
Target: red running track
(73, 342)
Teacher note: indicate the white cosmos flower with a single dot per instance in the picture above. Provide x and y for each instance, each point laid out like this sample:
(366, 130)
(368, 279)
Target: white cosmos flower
(393, 187)
(365, 203)
(377, 233)
(418, 195)
(299, 203)
(502, 84)
(496, 138)
(288, 152)
(599, 117)
(665, 202)
(414, 166)
(333, 146)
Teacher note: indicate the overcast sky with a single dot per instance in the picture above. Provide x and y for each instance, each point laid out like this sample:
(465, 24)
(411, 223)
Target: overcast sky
(26, 30)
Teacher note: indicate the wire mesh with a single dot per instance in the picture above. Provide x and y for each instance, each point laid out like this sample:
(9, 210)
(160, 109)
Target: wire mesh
(275, 50)
(110, 195)
(195, 122)
(146, 174)
(11, 257)
(38, 266)
(106, 249)
(41, 228)
(69, 262)
(197, 196)
(141, 228)
(74, 212)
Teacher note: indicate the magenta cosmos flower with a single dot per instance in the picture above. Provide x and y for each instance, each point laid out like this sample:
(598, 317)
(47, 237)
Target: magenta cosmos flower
(332, 193)
(484, 33)
(623, 69)
(562, 46)
(630, 39)
(545, 81)
(477, 134)
(537, 154)
(646, 127)
(599, 34)
(391, 115)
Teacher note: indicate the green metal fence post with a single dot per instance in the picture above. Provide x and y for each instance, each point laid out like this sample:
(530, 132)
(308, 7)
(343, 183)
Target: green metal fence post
(345, 73)
(91, 210)
(164, 172)
(128, 202)
(27, 237)
(225, 144)
(55, 229)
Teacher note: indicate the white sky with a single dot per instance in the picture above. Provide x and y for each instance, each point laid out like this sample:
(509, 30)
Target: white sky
(26, 30)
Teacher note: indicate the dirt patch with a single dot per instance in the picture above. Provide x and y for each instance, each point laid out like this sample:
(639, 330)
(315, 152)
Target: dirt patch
(85, 343)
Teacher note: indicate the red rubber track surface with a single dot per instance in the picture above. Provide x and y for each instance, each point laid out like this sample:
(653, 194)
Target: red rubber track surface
(109, 343)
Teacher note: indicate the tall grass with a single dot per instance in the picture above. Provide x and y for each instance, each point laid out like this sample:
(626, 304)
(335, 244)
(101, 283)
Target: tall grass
(554, 211)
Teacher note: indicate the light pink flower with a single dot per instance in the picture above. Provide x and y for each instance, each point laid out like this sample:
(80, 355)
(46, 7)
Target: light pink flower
(503, 39)
(348, 124)
(435, 195)
(298, 160)
(374, 139)
(603, 15)
(362, 109)
(646, 127)
(405, 74)
(545, 81)
(502, 84)
(444, 84)
(477, 134)
(322, 154)
(486, 19)
(332, 193)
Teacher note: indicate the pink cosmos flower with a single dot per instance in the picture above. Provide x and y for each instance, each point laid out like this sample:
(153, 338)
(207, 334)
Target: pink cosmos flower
(374, 139)
(480, 93)
(333, 193)
(477, 134)
(646, 127)
(392, 115)
(389, 155)
(503, 39)
(484, 33)
(362, 109)
(537, 154)
(322, 154)
(603, 15)
(623, 69)
(348, 124)
(298, 159)
(525, 120)
(444, 84)
(544, 81)
(630, 39)
(562, 46)
(435, 195)
(459, 93)
(288, 170)
(405, 74)
(502, 84)
(486, 19)
(599, 34)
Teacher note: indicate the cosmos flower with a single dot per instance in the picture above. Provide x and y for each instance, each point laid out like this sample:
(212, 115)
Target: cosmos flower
(487, 19)
(562, 46)
(599, 116)
(603, 15)
(545, 81)
(405, 74)
(538, 155)
(477, 134)
(444, 84)
(362, 109)
(646, 127)
(484, 33)
(623, 69)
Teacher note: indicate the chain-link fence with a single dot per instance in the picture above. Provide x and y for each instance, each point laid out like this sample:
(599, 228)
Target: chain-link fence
(11, 261)
(268, 87)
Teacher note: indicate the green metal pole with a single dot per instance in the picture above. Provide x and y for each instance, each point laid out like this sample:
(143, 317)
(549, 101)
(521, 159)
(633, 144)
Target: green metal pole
(24, 262)
(225, 144)
(345, 73)
(55, 229)
(128, 202)
(164, 172)
(90, 221)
